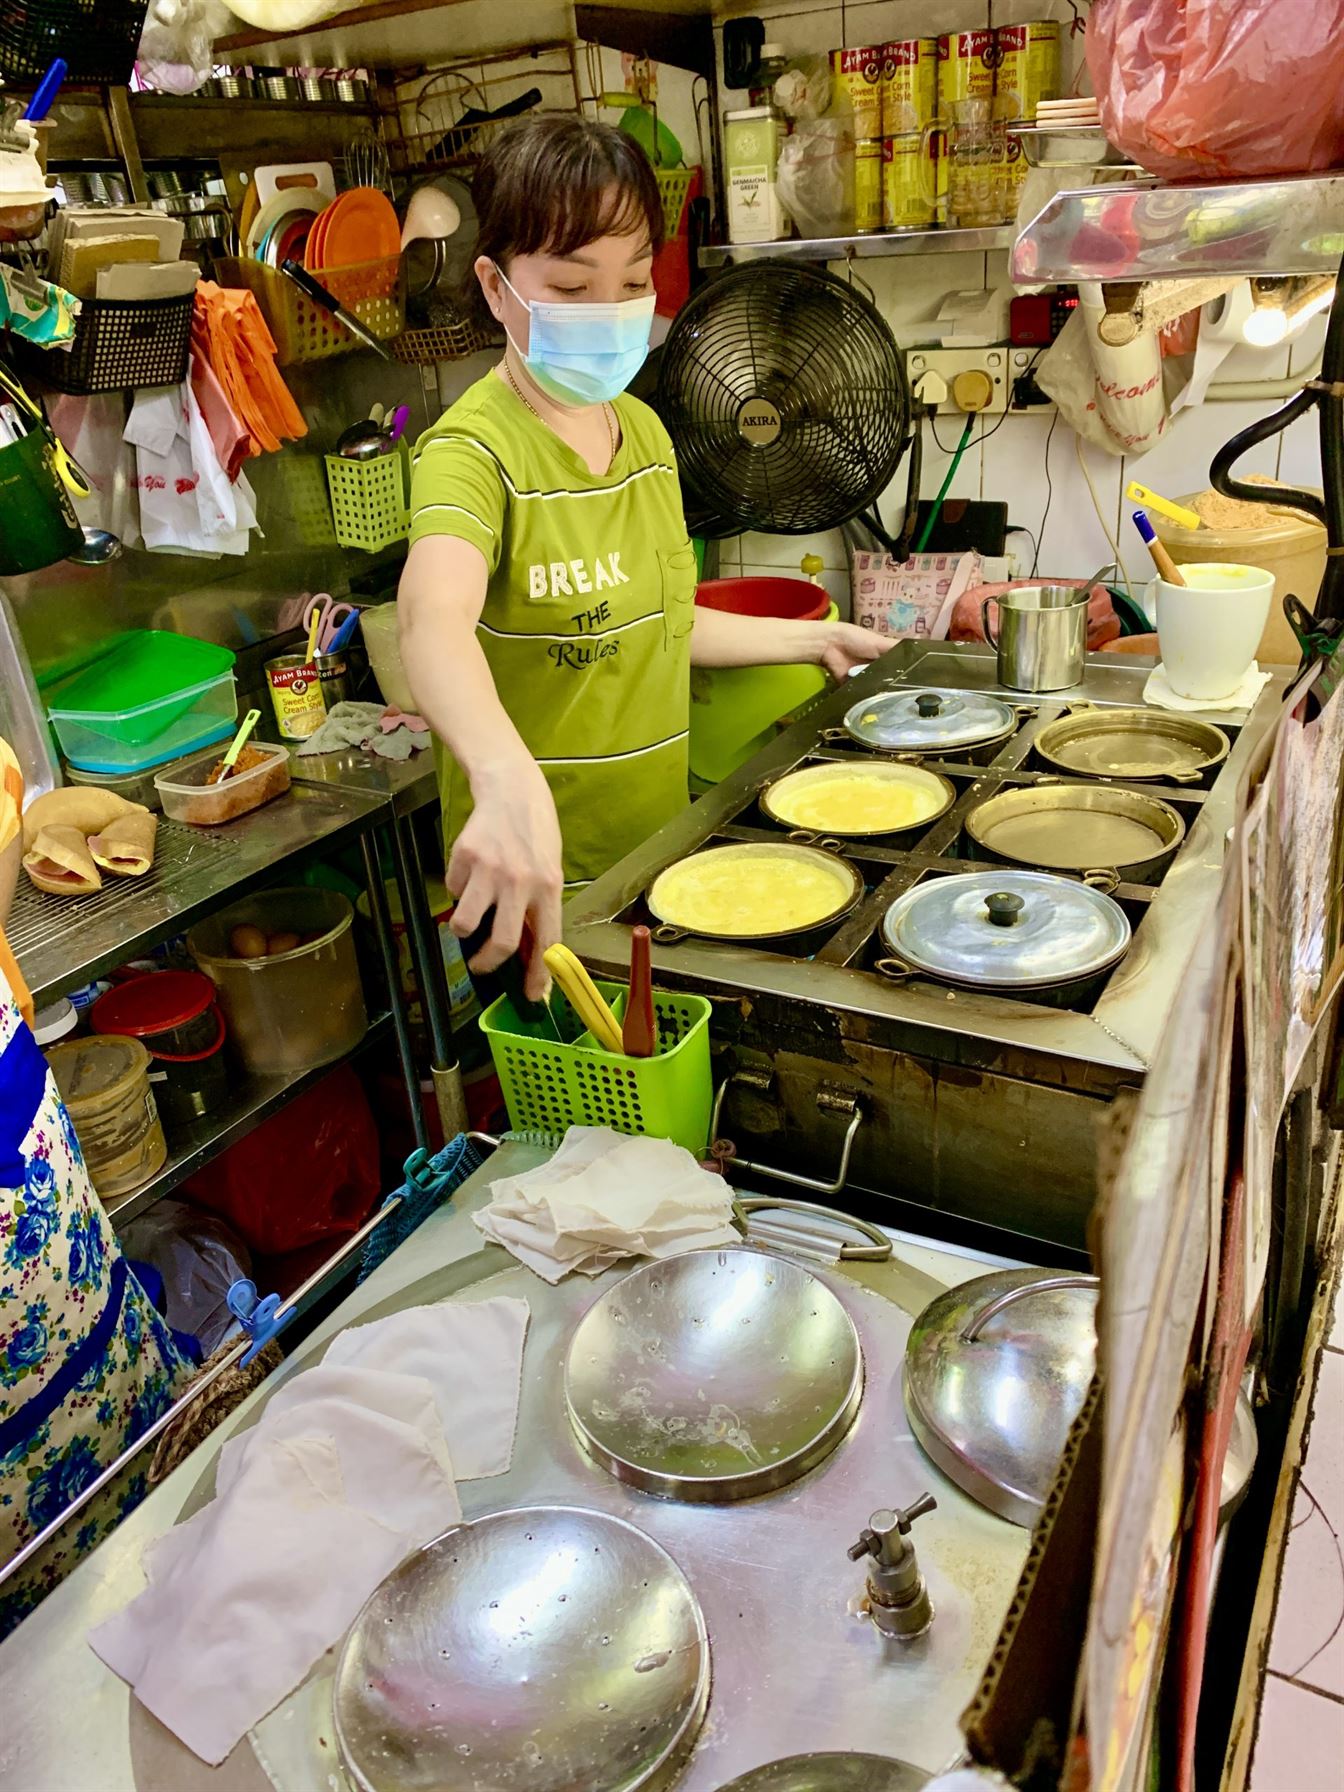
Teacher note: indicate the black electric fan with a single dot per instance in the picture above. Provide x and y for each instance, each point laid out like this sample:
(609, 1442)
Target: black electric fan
(786, 399)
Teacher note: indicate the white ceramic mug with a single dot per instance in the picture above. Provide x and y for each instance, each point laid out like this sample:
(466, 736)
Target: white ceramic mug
(1209, 628)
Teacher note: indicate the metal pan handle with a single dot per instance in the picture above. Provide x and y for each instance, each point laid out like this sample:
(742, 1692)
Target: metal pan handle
(828, 1101)
(668, 935)
(1104, 878)
(992, 1308)
(894, 970)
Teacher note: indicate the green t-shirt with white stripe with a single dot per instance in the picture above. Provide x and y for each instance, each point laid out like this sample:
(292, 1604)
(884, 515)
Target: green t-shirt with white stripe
(588, 611)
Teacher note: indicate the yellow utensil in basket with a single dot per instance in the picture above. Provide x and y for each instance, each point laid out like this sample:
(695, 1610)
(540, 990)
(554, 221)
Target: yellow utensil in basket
(584, 998)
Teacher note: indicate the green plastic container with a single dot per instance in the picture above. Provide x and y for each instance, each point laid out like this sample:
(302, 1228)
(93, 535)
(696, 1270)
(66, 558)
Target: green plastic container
(150, 697)
(549, 1087)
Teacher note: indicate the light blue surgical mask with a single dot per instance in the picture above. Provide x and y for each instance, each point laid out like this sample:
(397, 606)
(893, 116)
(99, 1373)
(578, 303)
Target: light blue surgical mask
(583, 353)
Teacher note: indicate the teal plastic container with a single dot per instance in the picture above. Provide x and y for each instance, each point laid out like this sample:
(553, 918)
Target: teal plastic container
(151, 697)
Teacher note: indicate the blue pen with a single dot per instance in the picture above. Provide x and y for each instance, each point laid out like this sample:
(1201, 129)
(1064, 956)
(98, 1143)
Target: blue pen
(342, 636)
(47, 89)
(1162, 560)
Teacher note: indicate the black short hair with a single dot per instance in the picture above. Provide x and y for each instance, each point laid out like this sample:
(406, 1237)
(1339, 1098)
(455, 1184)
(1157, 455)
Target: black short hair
(550, 184)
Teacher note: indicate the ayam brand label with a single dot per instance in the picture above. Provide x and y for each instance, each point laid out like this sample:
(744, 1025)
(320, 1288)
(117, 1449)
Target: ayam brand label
(866, 62)
(962, 46)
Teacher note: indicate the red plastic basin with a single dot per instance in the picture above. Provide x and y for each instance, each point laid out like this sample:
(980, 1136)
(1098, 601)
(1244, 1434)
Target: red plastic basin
(797, 599)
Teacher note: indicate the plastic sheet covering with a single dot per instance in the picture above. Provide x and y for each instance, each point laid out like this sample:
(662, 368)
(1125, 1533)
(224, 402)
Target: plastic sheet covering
(1201, 88)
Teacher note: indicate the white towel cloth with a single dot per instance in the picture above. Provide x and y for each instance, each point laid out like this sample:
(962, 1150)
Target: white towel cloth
(350, 1467)
(604, 1197)
(1159, 692)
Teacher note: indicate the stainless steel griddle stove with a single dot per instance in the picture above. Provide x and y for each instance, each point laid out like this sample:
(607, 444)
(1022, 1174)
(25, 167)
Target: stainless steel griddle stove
(978, 1105)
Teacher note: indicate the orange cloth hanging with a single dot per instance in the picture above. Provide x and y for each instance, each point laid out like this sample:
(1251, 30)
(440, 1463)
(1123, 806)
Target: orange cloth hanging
(229, 331)
(11, 814)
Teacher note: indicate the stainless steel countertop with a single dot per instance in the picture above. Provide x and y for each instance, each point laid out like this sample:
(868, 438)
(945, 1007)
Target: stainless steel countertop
(62, 942)
(792, 1668)
(408, 784)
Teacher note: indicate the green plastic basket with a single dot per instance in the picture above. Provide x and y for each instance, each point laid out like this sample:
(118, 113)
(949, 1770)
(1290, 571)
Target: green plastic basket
(369, 500)
(550, 1087)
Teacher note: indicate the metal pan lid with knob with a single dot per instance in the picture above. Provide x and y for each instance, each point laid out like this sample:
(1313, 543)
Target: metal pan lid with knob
(1134, 744)
(1010, 931)
(930, 721)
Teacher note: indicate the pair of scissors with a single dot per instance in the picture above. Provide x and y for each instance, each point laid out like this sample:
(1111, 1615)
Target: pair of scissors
(330, 616)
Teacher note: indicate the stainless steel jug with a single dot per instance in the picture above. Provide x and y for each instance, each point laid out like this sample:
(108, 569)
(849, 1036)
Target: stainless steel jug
(1042, 636)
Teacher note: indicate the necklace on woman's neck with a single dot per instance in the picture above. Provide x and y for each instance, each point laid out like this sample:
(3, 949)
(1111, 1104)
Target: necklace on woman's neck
(607, 410)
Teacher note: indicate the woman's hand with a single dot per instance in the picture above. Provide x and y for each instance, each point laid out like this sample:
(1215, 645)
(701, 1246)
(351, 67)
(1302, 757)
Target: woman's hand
(508, 858)
(843, 645)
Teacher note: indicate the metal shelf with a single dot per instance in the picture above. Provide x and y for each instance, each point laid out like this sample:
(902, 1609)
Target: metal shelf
(63, 942)
(1148, 230)
(251, 1100)
(861, 248)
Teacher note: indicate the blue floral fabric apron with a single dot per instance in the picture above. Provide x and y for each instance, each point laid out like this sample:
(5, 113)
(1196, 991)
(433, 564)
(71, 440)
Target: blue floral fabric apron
(86, 1363)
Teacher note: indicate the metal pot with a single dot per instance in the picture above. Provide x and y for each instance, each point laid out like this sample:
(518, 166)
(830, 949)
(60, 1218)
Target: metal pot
(1042, 638)
(1134, 745)
(1013, 933)
(803, 933)
(776, 798)
(931, 721)
(1102, 831)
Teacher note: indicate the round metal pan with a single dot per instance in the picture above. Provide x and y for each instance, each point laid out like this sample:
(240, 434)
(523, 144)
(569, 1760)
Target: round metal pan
(831, 1773)
(1101, 830)
(714, 1376)
(520, 1650)
(797, 936)
(775, 797)
(1133, 745)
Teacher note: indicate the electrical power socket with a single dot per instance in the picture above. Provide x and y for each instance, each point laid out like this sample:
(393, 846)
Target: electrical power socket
(1002, 365)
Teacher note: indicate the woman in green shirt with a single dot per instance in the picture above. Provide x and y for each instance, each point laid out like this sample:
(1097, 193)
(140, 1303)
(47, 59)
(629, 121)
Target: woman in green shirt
(548, 619)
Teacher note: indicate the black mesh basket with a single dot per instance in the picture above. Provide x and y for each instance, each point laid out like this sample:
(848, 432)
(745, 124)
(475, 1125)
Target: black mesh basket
(118, 343)
(97, 38)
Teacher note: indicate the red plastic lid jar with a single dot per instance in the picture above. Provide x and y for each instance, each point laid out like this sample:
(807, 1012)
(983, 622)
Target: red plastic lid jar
(172, 1012)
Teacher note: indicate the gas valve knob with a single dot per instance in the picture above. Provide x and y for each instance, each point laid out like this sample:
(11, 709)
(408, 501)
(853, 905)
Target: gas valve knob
(898, 1599)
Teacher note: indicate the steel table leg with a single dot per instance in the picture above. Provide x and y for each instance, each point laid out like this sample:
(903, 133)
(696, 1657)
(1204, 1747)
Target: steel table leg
(431, 978)
(382, 927)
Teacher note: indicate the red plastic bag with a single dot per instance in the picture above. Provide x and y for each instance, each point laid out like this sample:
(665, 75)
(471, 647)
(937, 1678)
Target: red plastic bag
(308, 1173)
(1201, 88)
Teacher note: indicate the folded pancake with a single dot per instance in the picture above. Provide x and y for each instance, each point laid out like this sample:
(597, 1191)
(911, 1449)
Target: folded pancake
(82, 806)
(60, 862)
(126, 846)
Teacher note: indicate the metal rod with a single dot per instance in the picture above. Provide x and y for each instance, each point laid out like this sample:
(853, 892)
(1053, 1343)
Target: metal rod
(382, 927)
(430, 974)
(790, 1176)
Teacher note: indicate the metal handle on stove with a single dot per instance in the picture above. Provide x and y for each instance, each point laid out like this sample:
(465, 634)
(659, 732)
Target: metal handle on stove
(1043, 1285)
(829, 1101)
(668, 935)
(876, 1251)
(895, 970)
(823, 842)
(1102, 877)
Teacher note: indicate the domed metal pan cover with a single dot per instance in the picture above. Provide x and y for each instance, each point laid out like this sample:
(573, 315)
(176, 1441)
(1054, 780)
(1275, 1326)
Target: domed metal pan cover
(714, 1376)
(831, 1773)
(930, 721)
(548, 1647)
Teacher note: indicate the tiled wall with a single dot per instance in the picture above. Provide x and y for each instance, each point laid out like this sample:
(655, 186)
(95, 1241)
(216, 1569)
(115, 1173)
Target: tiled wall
(1011, 464)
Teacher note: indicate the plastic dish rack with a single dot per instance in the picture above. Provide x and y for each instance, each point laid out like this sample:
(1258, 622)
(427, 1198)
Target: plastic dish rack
(441, 342)
(118, 343)
(549, 1087)
(97, 38)
(370, 503)
(674, 184)
(303, 331)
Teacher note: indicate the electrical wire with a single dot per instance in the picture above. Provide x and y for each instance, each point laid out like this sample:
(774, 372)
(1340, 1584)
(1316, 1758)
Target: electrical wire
(1111, 541)
(1049, 496)
(948, 477)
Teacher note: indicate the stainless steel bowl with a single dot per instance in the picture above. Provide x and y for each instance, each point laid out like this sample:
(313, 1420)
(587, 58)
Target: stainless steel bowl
(549, 1648)
(714, 1376)
(1089, 828)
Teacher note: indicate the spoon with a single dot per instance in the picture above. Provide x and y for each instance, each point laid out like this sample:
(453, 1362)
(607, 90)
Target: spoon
(238, 742)
(100, 546)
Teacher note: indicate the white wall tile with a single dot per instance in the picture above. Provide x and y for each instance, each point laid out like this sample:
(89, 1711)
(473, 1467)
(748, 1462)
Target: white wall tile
(908, 289)
(878, 21)
(1300, 452)
(1073, 542)
(1179, 463)
(802, 30)
(1300, 1741)
(1247, 363)
(784, 553)
(1304, 349)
